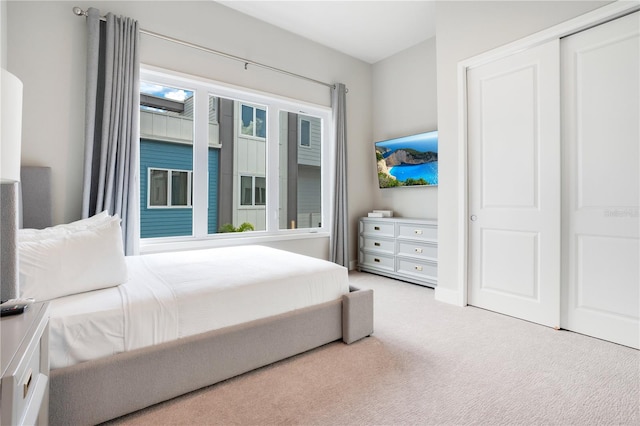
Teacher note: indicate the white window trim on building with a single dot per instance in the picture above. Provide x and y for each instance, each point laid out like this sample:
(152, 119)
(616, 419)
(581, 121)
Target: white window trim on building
(170, 188)
(253, 192)
(274, 104)
(255, 121)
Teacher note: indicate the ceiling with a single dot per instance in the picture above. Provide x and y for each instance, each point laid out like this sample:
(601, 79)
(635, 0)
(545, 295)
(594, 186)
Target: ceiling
(367, 30)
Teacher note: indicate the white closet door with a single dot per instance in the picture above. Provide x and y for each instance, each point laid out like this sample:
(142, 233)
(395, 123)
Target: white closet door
(514, 185)
(601, 212)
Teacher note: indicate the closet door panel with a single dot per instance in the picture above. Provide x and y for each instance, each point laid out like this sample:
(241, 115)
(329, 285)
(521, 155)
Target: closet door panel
(601, 181)
(514, 185)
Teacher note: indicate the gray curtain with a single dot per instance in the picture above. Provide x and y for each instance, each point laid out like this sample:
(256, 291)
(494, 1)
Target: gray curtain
(339, 232)
(111, 122)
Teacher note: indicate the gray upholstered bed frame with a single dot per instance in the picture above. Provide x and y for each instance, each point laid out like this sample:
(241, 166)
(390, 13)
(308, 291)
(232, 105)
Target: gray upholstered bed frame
(96, 391)
(103, 389)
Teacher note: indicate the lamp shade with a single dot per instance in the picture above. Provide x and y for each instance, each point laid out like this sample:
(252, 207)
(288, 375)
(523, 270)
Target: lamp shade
(11, 127)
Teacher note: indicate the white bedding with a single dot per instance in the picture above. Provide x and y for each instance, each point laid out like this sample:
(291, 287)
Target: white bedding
(174, 295)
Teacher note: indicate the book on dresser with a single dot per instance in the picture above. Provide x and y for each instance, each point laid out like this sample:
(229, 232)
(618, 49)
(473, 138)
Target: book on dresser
(406, 249)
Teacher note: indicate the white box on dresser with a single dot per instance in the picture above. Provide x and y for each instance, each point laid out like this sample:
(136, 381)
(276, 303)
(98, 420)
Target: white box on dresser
(406, 249)
(24, 390)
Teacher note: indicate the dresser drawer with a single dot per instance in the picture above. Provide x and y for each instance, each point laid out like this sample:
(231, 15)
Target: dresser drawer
(379, 228)
(377, 261)
(417, 249)
(418, 268)
(377, 244)
(418, 231)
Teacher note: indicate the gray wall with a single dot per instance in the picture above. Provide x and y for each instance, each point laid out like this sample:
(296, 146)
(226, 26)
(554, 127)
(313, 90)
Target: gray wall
(3, 34)
(404, 103)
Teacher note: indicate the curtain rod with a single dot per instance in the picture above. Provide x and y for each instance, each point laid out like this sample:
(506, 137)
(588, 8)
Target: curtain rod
(79, 12)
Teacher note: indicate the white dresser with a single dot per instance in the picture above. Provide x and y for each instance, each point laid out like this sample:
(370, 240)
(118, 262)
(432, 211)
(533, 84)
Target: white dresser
(24, 390)
(406, 249)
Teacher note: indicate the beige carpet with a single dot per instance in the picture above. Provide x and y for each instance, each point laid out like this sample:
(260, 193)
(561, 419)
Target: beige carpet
(427, 363)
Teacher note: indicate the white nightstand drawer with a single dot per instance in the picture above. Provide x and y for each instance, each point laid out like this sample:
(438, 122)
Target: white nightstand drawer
(377, 244)
(379, 228)
(378, 261)
(27, 379)
(25, 367)
(418, 231)
(422, 269)
(426, 251)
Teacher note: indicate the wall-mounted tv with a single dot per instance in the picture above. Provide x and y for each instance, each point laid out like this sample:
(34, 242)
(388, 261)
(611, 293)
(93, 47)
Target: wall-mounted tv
(408, 161)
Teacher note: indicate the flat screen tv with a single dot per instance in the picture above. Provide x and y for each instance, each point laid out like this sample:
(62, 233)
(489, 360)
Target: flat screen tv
(408, 161)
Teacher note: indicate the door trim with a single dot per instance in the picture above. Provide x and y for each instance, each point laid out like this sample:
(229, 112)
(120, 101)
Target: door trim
(572, 26)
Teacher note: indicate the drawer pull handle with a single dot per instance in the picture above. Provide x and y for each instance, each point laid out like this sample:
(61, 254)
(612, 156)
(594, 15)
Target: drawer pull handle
(418, 231)
(376, 244)
(376, 228)
(25, 386)
(418, 250)
(376, 260)
(418, 268)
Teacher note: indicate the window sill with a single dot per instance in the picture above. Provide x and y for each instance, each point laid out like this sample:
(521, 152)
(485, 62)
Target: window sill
(160, 245)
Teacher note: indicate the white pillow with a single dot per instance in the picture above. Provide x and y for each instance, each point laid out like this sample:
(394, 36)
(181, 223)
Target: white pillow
(76, 262)
(64, 229)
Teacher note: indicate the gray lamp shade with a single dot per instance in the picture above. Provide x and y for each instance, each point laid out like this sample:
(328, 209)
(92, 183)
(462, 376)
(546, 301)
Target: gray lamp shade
(9, 287)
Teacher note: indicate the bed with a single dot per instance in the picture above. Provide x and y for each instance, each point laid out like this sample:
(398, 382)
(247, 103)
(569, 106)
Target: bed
(179, 321)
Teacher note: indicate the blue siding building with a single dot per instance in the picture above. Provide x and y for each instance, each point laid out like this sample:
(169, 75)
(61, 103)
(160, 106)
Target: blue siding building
(159, 221)
(173, 221)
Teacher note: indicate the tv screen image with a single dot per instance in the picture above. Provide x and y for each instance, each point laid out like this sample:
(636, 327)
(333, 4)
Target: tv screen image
(408, 161)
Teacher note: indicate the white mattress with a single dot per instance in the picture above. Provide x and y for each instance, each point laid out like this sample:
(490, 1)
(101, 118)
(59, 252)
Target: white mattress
(174, 295)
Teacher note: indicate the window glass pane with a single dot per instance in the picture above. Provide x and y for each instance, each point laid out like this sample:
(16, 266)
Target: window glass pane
(300, 152)
(166, 143)
(179, 188)
(261, 123)
(236, 156)
(158, 187)
(305, 133)
(247, 120)
(260, 191)
(246, 187)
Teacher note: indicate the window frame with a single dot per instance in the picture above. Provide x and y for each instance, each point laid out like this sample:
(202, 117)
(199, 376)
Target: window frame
(170, 188)
(273, 104)
(255, 109)
(253, 204)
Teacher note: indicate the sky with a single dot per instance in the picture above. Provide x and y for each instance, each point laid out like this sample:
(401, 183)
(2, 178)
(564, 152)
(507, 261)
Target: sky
(164, 91)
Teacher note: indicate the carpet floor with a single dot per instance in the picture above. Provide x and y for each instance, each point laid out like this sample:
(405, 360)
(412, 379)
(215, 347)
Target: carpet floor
(427, 363)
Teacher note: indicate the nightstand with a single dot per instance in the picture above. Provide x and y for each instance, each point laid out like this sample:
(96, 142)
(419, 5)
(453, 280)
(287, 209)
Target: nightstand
(24, 390)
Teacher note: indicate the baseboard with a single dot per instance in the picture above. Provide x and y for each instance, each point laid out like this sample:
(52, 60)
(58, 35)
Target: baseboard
(453, 297)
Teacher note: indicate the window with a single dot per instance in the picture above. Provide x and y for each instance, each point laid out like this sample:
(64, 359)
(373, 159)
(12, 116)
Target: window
(161, 194)
(158, 188)
(301, 202)
(166, 159)
(213, 158)
(253, 191)
(305, 133)
(253, 121)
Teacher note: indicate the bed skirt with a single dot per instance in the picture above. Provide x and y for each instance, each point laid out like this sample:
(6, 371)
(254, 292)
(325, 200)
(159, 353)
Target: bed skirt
(96, 391)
